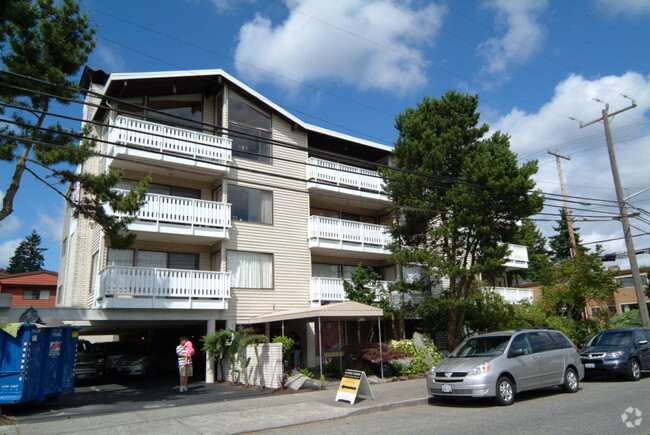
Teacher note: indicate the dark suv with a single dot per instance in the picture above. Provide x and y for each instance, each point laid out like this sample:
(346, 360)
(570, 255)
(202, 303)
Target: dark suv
(622, 351)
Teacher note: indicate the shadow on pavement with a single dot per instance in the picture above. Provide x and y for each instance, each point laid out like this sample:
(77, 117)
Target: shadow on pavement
(125, 395)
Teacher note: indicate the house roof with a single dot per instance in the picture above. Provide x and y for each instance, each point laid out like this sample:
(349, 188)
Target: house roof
(109, 79)
(39, 277)
(342, 310)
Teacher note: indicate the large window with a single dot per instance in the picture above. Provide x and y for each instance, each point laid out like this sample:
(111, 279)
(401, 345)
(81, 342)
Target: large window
(250, 131)
(162, 189)
(251, 205)
(183, 110)
(628, 281)
(153, 259)
(250, 269)
(36, 295)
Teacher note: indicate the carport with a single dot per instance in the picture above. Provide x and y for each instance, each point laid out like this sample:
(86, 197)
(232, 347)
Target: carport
(338, 312)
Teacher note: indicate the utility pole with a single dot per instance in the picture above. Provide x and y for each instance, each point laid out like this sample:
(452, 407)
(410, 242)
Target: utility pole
(643, 308)
(567, 212)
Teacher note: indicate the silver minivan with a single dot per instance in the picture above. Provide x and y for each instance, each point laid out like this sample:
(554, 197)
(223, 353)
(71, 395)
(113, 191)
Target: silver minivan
(501, 364)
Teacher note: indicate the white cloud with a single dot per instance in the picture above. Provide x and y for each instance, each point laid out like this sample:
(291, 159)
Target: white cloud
(7, 249)
(588, 173)
(49, 225)
(368, 44)
(524, 34)
(109, 59)
(228, 5)
(630, 8)
(9, 226)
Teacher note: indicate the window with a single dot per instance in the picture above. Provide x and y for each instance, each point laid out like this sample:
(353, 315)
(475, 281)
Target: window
(251, 205)
(250, 131)
(36, 295)
(250, 269)
(541, 341)
(323, 270)
(628, 281)
(561, 342)
(521, 342)
(163, 189)
(153, 259)
(595, 310)
(183, 110)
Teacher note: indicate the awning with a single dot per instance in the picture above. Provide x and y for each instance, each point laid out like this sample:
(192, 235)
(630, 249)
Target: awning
(342, 310)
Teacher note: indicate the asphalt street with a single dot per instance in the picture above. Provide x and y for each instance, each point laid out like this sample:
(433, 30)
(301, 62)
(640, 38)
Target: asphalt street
(596, 409)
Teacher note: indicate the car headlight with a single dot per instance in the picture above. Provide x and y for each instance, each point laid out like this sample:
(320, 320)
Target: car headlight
(615, 354)
(480, 369)
(432, 370)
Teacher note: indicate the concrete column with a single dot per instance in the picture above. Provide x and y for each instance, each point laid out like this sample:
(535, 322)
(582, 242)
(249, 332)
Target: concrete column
(209, 363)
(309, 345)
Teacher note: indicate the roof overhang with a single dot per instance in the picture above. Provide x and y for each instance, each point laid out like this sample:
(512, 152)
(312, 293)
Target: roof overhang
(343, 311)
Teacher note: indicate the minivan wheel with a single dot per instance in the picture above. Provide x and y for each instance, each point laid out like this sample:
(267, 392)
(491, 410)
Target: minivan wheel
(505, 391)
(571, 381)
(633, 370)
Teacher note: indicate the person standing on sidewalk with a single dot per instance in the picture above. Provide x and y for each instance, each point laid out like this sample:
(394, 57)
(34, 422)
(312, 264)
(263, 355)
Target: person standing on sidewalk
(185, 370)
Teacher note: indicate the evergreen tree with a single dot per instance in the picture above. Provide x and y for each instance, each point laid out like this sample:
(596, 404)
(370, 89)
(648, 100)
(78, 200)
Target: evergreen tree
(28, 256)
(561, 243)
(49, 40)
(457, 198)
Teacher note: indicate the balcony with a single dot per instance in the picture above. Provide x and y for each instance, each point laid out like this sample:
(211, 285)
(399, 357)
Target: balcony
(174, 215)
(348, 236)
(331, 290)
(345, 179)
(518, 258)
(182, 147)
(144, 287)
(514, 295)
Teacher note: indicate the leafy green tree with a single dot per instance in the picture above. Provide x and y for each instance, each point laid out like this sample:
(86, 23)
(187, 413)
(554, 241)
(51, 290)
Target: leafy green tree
(530, 236)
(49, 41)
(560, 243)
(629, 319)
(28, 256)
(566, 287)
(457, 198)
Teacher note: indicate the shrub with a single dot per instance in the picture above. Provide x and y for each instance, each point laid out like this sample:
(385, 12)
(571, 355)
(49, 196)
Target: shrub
(287, 346)
(629, 319)
(379, 350)
(405, 346)
(307, 372)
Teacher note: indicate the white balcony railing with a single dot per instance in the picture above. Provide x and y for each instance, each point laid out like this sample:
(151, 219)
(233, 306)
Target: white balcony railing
(514, 295)
(333, 233)
(171, 140)
(198, 216)
(344, 176)
(332, 290)
(518, 257)
(144, 287)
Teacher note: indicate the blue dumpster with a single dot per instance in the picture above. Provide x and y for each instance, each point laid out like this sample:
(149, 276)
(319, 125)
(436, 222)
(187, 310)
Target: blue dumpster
(37, 364)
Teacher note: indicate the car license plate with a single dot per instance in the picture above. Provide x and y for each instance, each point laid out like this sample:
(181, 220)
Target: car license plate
(446, 388)
(590, 365)
(81, 376)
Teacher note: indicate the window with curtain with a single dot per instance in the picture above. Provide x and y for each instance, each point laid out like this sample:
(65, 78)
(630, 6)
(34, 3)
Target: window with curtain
(250, 269)
(120, 257)
(251, 205)
(250, 131)
(323, 270)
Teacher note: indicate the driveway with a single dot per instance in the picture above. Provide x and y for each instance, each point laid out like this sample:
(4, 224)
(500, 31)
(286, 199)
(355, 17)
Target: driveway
(127, 395)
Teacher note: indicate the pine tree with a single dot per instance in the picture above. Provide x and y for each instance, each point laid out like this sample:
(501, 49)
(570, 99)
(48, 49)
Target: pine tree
(49, 41)
(28, 256)
(457, 199)
(561, 243)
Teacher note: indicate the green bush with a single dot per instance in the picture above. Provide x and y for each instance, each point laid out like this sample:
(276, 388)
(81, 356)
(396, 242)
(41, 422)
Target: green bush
(307, 373)
(404, 346)
(287, 346)
(400, 369)
(629, 319)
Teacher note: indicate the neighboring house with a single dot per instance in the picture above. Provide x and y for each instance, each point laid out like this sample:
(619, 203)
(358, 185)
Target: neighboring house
(235, 227)
(625, 298)
(37, 289)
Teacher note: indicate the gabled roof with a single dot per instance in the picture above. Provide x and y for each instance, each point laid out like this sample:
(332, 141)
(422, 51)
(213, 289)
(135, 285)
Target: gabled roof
(38, 277)
(114, 77)
(342, 310)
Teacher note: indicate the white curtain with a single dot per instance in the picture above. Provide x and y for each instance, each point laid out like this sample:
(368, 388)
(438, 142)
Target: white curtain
(152, 259)
(250, 270)
(267, 207)
(120, 257)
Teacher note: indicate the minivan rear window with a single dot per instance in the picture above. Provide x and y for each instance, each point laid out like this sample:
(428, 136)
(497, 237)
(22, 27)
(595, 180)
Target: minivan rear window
(542, 341)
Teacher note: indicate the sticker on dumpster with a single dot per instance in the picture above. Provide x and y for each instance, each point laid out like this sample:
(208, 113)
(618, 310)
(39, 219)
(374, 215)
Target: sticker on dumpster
(55, 348)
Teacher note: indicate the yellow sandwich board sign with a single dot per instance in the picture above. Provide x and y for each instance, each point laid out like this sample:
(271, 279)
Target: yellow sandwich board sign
(354, 383)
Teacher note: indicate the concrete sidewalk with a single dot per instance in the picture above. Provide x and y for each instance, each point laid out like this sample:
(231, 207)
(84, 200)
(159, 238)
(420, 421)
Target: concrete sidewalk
(229, 417)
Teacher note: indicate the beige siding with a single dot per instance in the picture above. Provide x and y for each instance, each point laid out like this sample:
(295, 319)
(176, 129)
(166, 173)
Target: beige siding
(286, 239)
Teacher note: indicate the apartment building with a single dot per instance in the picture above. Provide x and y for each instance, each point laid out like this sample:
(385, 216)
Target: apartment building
(624, 299)
(251, 211)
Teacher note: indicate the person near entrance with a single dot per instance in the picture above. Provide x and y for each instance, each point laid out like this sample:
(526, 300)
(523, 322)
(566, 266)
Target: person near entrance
(184, 363)
(297, 347)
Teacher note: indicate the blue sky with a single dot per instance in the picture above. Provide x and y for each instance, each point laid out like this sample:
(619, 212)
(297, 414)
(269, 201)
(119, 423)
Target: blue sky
(352, 65)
